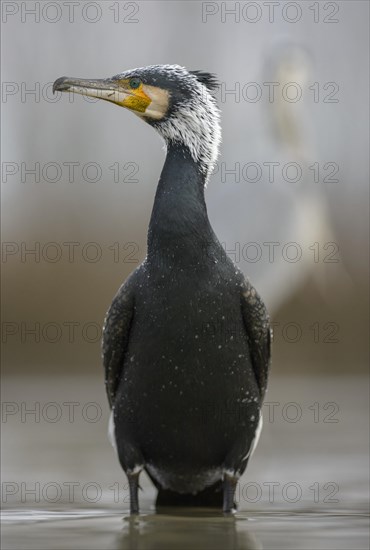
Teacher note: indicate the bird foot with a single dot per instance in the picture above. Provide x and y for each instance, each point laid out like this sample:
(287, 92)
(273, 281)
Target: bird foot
(133, 483)
(230, 483)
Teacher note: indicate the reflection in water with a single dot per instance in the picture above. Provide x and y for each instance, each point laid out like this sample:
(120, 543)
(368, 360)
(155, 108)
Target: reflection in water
(184, 530)
(180, 529)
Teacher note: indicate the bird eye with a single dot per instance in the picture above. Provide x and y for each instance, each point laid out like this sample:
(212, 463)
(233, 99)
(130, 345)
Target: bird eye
(135, 83)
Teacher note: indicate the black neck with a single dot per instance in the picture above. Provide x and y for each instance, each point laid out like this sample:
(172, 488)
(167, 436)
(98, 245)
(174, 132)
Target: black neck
(179, 227)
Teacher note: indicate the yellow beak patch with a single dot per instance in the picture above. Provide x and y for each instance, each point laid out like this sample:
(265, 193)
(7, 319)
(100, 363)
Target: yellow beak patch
(137, 100)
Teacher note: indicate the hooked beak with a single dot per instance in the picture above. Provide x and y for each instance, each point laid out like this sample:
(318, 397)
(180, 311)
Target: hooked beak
(109, 89)
(147, 101)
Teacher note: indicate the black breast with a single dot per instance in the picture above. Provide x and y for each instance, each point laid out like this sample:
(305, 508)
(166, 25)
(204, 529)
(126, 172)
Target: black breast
(188, 392)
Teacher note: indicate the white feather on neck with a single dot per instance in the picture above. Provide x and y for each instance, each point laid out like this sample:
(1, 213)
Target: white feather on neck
(196, 124)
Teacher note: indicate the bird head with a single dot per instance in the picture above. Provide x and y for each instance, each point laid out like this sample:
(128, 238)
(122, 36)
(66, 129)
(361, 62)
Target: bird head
(178, 103)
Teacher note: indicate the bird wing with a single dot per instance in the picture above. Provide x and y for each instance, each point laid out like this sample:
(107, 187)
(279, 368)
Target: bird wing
(116, 333)
(257, 326)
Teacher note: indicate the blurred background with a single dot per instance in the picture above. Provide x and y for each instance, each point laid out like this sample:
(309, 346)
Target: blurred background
(288, 198)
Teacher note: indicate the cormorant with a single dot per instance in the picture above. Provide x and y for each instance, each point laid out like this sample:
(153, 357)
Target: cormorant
(186, 345)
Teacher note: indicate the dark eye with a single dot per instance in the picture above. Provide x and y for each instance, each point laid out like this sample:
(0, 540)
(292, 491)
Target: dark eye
(135, 83)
